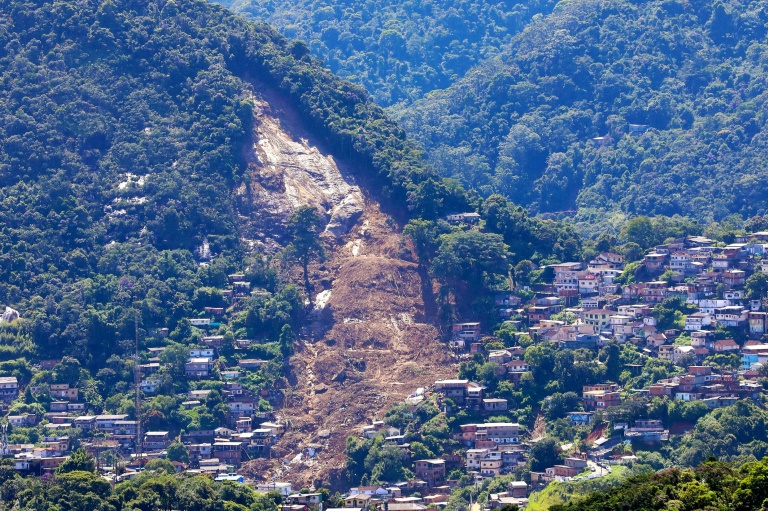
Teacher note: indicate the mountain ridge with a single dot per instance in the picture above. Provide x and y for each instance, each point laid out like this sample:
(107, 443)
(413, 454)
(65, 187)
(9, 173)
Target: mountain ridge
(523, 123)
(398, 51)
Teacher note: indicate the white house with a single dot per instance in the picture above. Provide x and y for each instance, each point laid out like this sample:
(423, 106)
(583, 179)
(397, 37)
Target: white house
(733, 316)
(697, 321)
(709, 306)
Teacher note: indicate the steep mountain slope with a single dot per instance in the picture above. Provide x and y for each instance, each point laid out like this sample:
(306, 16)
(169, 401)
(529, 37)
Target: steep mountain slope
(523, 123)
(399, 51)
(150, 148)
(123, 127)
(288, 172)
(369, 342)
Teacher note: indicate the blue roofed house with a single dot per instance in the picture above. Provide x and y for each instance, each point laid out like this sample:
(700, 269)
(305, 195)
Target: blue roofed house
(580, 418)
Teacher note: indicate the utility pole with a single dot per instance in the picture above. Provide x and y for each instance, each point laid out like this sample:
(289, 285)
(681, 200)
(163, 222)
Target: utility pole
(137, 382)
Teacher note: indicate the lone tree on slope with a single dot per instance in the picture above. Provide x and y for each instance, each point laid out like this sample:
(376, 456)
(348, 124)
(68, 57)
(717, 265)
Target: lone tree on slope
(304, 226)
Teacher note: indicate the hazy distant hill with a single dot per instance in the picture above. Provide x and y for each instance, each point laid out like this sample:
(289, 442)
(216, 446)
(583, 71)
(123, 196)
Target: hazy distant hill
(694, 72)
(398, 50)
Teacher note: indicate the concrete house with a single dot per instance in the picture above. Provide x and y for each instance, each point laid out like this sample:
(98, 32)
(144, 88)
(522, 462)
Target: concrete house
(63, 392)
(491, 405)
(198, 367)
(107, 422)
(757, 323)
(358, 501)
(499, 432)
(697, 321)
(725, 345)
(155, 440)
(751, 355)
(599, 319)
(580, 418)
(463, 218)
(468, 332)
(566, 275)
(733, 316)
(432, 471)
(9, 388)
(251, 364)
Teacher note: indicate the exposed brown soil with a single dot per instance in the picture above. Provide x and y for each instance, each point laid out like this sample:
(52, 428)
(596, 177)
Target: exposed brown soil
(539, 428)
(372, 343)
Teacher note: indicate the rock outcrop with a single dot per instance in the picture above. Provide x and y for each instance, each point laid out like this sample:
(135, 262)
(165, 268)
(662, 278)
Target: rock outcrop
(289, 170)
(9, 315)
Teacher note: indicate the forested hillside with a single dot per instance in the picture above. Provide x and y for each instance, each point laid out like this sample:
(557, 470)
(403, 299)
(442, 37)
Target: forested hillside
(523, 123)
(711, 485)
(122, 136)
(398, 50)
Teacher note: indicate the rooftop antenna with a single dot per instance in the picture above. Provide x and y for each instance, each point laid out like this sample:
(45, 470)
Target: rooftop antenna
(137, 382)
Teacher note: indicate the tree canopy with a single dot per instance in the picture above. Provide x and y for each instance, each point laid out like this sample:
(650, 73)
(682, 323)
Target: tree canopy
(613, 108)
(397, 50)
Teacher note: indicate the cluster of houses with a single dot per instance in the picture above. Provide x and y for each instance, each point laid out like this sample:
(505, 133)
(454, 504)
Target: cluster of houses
(201, 361)
(488, 449)
(212, 452)
(492, 449)
(414, 495)
(711, 278)
(246, 433)
(584, 307)
(702, 383)
(402, 496)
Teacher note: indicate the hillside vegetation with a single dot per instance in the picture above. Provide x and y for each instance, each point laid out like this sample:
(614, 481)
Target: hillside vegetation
(712, 485)
(397, 50)
(560, 492)
(123, 128)
(522, 123)
(76, 486)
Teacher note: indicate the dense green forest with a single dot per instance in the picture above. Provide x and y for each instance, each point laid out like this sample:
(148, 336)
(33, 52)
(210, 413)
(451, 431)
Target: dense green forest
(531, 86)
(399, 51)
(522, 123)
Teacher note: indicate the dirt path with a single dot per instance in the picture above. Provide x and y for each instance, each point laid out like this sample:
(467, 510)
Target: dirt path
(539, 429)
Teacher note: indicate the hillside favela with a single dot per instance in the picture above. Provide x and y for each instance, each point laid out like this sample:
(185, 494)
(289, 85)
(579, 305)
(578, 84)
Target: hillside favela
(272, 255)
